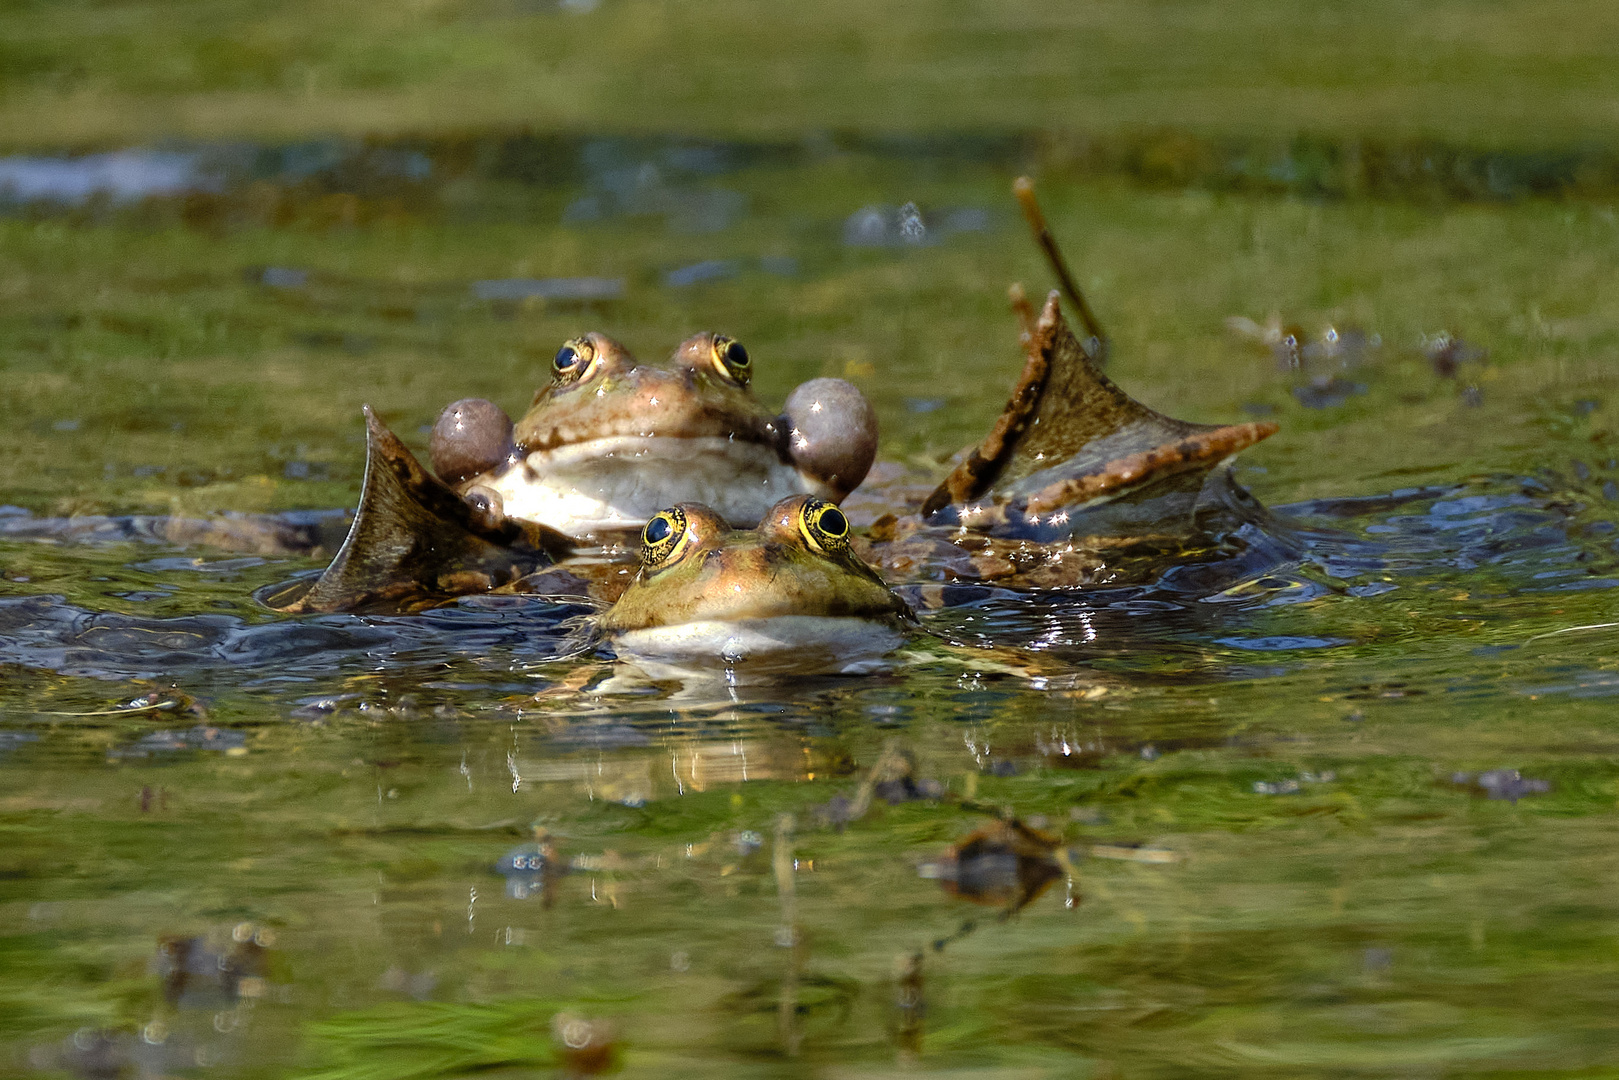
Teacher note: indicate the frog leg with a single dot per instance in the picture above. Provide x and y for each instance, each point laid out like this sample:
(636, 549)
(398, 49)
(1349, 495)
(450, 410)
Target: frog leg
(413, 536)
(1070, 440)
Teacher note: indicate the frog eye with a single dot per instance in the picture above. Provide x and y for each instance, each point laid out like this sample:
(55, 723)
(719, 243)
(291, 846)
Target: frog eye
(663, 537)
(574, 361)
(731, 359)
(824, 526)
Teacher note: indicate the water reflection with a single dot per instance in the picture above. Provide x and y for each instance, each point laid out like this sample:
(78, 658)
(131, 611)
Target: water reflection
(207, 994)
(907, 226)
(195, 977)
(532, 869)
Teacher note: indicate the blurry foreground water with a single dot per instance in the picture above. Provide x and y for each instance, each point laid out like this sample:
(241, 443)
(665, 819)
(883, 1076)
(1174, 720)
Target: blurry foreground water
(1338, 801)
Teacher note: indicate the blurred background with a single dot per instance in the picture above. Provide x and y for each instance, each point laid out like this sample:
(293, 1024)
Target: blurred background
(1521, 76)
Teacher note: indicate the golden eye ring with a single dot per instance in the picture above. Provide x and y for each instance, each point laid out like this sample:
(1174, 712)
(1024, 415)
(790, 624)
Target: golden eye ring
(824, 526)
(731, 359)
(663, 537)
(575, 361)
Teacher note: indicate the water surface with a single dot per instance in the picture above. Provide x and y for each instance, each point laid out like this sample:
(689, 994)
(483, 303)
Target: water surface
(1338, 798)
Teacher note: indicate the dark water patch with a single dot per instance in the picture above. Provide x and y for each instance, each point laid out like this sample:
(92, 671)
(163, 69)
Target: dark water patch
(1583, 684)
(579, 289)
(1312, 166)
(1578, 586)
(1501, 784)
(1281, 644)
(350, 181)
(1363, 505)
(173, 741)
(1327, 393)
(11, 740)
(685, 277)
(1496, 537)
(1515, 524)
(45, 632)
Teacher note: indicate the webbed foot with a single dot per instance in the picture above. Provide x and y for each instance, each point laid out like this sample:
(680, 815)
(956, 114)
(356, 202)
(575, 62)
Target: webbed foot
(413, 536)
(1072, 454)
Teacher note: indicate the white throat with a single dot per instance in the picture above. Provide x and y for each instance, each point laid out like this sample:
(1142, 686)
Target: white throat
(783, 644)
(619, 482)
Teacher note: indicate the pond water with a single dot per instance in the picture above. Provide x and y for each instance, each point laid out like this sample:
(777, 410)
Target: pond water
(1335, 799)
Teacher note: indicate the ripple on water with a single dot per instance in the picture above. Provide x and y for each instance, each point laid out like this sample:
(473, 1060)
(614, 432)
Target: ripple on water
(46, 632)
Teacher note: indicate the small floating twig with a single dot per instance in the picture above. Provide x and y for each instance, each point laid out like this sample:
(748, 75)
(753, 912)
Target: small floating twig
(122, 710)
(1023, 190)
(154, 701)
(1574, 629)
(1128, 853)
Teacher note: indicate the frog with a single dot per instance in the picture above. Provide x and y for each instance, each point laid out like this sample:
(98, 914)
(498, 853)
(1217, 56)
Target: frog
(789, 593)
(609, 440)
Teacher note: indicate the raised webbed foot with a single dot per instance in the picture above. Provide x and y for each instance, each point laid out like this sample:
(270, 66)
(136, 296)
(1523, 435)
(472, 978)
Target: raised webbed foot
(414, 537)
(1072, 455)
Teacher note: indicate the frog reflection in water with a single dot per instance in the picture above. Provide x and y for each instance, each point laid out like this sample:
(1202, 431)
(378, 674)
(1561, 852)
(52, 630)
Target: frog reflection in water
(1073, 475)
(790, 593)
